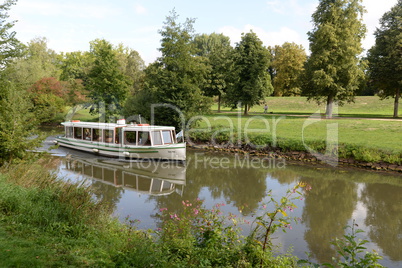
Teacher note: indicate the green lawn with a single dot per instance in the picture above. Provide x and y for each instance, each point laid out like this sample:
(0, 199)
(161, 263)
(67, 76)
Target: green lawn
(376, 134)
(364, 106)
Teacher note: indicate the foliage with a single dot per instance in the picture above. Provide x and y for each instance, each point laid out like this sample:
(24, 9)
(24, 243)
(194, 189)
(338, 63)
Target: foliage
(198, 236)
(174, 81)
(251, 81)
(9, 45)
(75, 65)
(37, 62)
(107, 84)
(288, 65)
(18, 126)
(269, 222)
(217, 49)
(385, 57)
(334, 70)
(132, 66)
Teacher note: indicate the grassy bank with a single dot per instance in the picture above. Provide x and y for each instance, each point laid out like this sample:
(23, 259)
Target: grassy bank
(45, 222)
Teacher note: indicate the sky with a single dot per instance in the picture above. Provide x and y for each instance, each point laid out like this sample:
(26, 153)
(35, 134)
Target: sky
(69, 25)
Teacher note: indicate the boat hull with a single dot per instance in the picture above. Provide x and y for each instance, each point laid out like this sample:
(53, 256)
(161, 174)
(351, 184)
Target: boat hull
(166, 152)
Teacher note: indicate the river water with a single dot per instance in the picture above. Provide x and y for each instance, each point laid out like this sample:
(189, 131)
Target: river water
(138, 190)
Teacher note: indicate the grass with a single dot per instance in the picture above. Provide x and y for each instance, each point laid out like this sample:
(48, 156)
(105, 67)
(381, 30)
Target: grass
(364, 106)
(45, 222)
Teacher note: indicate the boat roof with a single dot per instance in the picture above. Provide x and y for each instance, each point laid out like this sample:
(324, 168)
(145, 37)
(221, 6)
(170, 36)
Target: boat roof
(146, 127)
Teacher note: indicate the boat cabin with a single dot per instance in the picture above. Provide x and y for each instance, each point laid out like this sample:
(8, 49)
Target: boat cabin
(120, 133)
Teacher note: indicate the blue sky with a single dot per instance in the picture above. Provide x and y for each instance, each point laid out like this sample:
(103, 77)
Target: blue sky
(69, 25)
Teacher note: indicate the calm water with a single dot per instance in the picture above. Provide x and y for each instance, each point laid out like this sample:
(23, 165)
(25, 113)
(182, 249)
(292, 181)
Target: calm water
(139, 189)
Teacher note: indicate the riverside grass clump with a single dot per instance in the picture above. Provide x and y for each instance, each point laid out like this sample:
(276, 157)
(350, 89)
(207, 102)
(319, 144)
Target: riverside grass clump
(47, 222)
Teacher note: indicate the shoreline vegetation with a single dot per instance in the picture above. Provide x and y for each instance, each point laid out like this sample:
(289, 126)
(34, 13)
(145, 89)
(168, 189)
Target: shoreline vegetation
(48, 222)
(362, 135)
(366, 136)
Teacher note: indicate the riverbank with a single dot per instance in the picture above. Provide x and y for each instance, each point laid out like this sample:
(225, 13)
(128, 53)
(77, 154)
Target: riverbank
(298, 156)
(48, 222)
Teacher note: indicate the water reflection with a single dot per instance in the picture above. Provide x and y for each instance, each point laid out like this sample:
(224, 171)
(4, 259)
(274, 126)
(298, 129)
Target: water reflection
(148, 177)
(384, 217)
(337, 197)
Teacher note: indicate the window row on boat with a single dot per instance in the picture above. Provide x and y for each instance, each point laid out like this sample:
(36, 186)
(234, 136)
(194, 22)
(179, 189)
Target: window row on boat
(121, 136)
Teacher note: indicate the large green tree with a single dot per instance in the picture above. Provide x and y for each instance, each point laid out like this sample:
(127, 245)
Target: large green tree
(217, 50)
(107, 84)
(37, 62)
(288, 66)
(251, 80)
(173, 83)
(385, 57)
(333, 70)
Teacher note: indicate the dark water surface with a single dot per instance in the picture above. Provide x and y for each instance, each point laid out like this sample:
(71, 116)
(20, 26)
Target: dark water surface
(138, 190)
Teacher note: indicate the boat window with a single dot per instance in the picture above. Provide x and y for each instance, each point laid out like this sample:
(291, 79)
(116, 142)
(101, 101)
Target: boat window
(87, 134)
(108, 136)
(96, 134)
(78, 132)
(130, 137)
(144, 138)
(156, 137)
(69, 132)
(167, 138)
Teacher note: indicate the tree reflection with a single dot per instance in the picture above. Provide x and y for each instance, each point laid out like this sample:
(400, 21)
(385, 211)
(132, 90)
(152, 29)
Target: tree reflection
(327, 209)
(384, 217)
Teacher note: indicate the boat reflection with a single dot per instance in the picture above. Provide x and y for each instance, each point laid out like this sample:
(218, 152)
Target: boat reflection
(147, 177)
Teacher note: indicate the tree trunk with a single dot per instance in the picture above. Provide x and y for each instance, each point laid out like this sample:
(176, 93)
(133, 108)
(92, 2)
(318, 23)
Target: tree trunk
(219, 103)
(245, 109)
(330, 102)
(396, 103)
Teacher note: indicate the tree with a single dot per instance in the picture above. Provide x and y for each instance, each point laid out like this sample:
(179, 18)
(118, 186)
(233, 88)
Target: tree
(10, 47)
(107, 84)
(174, 81)
(132, 65)
(385, 57)
(251, 80)
(49, 97)
(75, 65)
(36, 62)
(18, 126)
(217, 50)
(288, 65)
(333, 70)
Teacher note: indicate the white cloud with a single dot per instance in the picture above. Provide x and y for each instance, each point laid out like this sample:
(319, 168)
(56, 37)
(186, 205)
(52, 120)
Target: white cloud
(139, 9)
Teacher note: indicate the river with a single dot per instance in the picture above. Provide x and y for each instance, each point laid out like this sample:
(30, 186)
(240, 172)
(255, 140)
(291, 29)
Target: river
(338, 196)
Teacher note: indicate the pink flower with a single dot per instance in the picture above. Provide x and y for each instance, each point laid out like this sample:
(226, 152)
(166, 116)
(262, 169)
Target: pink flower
(162, 209)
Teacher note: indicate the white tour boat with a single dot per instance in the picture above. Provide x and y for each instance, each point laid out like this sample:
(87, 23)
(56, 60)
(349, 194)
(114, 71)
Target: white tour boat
(134, 141)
